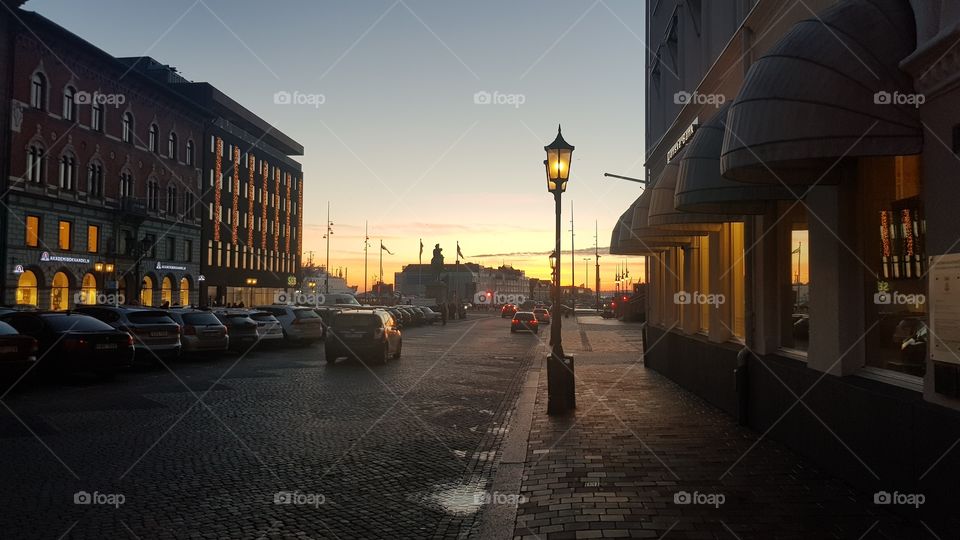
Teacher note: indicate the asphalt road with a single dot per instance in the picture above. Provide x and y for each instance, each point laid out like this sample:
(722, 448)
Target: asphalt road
(271, 444)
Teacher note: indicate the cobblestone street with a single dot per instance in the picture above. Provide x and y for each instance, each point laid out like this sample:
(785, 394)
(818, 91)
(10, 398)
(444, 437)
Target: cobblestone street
(636, 441)
(395, 451)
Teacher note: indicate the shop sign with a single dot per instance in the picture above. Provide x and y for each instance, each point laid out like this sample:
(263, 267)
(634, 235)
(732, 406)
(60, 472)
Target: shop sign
(201, 277)
(683, 140)
(18, 269)
(47, 257)
(944, 306)
(168, 266)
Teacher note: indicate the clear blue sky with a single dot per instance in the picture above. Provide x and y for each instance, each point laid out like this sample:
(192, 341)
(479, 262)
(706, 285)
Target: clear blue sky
(399, 140)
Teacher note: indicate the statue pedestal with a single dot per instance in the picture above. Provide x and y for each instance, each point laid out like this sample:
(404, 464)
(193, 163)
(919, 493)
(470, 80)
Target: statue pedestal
(437, 290)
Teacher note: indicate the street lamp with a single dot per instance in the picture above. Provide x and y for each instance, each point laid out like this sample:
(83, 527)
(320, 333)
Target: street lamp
(560, 383)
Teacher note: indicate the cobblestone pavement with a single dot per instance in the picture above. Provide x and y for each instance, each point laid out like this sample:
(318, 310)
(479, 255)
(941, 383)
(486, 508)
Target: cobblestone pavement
(394, 451)
(637, 440)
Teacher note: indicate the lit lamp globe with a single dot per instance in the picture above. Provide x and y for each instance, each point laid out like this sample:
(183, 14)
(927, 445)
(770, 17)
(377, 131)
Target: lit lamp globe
(559, 153)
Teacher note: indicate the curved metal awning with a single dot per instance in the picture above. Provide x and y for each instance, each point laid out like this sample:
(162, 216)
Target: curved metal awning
(830, 88)
(701, 187)
(665, 216)
(632, 236)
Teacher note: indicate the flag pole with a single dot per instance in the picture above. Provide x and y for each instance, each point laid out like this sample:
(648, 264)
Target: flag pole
(366, 245)
(380, 289)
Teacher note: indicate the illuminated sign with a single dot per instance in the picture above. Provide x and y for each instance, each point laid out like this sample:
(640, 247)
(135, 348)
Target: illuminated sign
(47, 257)
(168, 266)
(683, 140)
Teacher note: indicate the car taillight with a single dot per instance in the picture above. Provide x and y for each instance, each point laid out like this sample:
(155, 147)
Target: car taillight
(129, 340)
(34, 346)
(189, 330)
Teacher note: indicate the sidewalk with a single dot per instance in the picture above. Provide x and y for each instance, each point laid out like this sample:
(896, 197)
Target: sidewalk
(637, 443)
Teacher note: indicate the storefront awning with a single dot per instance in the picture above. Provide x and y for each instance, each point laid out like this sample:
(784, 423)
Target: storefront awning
(665, 216)
(701, 187)
(831, 88)
(632, 236)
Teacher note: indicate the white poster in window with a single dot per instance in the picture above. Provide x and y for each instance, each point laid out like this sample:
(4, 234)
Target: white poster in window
(944, 305)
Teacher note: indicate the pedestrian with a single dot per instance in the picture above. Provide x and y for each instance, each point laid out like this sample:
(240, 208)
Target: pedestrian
(165, 304)
(443, 313)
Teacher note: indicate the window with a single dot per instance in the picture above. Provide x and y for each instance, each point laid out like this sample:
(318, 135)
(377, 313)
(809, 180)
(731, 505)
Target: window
(189, 202)
(737, 279)
(95, 180)
(150, 241)
(59, 292)
(93, 238)
(171, 248)
(171, 200)
(153, 142)
(703, 283)
(27, 289)
(33, 231)
(188, 250)
(172, 146)
(70, 104)
(190, 153)
(64, 236)
(35, 159)
(38, 92)
(126, 184)
(153, 195)
(96, 116)
(796, 334)
(68, 171)
(128, 127)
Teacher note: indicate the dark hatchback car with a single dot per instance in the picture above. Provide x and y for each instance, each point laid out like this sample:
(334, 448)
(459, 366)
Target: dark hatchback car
(242, 329)
(155, 335)
(69, 342)
(17, 351)
(364, 334)
(524, 321)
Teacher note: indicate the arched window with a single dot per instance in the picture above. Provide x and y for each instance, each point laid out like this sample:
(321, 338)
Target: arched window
(70, 103)
(35, 159)
(38, 92)
(96, 116)
(172, 146)
(68, 171)
(59, 292)
(95, 179)
(128, 127)
(166, 291)
(153, 195)
(126, 184)
(27, 289)
(185, 292)
(171, 199)
(190, 153)
(153, 142)
(88, 290)
(146, 291)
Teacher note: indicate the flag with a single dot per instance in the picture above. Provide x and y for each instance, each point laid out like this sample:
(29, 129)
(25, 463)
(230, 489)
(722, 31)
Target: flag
(460, 253)
(796, 250)
(384, 248)
(421, 251)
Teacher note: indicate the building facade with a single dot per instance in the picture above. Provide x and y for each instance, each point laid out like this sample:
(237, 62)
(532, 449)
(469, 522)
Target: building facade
(102, 180)
(798, 228)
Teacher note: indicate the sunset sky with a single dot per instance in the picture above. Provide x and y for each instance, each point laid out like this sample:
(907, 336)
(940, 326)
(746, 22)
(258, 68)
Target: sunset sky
(399, 139)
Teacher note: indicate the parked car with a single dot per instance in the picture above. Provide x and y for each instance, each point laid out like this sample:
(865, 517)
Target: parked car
(243, 331)
(18, 352)
(402, 318)
(508, 310)
(416, 316)
(200, 331)
(364, 334)
(74, 342)
(542, 315)
(155, 334)
(524, 321)
(429, 316)
(300, 324)
(268, 327)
